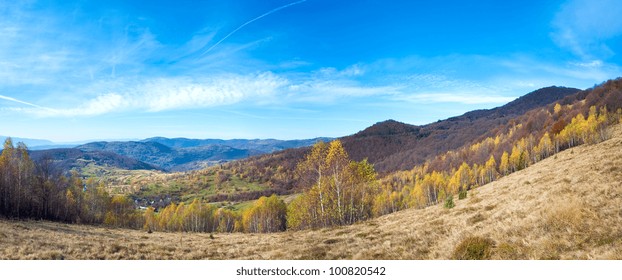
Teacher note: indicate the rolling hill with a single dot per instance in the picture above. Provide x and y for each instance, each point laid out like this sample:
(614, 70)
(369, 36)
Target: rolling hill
(68, 159)
(181, 154)
(393, 146)
(564, 207)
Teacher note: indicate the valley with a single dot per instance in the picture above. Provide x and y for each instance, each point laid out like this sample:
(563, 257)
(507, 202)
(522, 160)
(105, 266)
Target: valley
(564, 207)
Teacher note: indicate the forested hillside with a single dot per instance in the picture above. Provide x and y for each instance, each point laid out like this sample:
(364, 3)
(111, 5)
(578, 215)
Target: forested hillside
(169, 158)
(71, 159)
(392, 146)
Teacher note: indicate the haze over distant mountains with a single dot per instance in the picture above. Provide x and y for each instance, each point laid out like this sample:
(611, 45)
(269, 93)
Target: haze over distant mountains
(176, 154)
(31, 143)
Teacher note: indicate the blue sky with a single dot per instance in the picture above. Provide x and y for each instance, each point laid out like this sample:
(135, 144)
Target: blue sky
(84, 70)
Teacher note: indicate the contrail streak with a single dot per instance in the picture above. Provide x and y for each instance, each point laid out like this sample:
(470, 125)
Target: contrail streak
(251, 21)
(22, 102)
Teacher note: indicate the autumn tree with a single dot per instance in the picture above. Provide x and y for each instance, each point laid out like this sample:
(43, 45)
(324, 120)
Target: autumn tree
(312, 173)
(342, 191)
(268, 214)
(545, 147)
(227, 220)
(490, 169)
(504, 165)
(150, 220)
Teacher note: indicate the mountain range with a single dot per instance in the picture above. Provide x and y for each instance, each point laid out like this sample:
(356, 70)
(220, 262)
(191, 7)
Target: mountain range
(167, 154)
(390, 145)
(31, 143)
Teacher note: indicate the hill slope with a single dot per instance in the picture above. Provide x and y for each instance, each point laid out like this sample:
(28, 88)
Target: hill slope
(566, 207)
(67, 159)
(168, 158)
(391, 145)
(181, 154)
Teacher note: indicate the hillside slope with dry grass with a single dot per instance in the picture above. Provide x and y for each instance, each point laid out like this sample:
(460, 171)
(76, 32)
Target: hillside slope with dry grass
(564, 207)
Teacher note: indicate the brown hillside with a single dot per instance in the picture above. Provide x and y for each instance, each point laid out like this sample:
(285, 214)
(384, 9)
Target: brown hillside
(564, 207)
(392, 146)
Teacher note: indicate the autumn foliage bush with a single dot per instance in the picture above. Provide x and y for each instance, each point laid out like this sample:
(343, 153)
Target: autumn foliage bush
(473, 248)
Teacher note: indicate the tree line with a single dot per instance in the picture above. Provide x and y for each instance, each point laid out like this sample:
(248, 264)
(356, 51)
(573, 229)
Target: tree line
(461, 170)
(40, 190)
(341, 192)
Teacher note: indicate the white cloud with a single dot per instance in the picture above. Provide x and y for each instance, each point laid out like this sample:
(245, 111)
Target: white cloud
(325, 86)
(354, 70)
(97, 78)
(589, 64)
(167, 94)
(170, 94)
(585, 26)
(102, 104)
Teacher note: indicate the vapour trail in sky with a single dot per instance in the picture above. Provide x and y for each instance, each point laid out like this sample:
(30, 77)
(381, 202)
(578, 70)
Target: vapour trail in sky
(251, 21)
(21, 102)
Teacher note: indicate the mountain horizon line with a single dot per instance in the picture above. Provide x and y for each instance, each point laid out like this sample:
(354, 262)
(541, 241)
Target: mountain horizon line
(42, 143)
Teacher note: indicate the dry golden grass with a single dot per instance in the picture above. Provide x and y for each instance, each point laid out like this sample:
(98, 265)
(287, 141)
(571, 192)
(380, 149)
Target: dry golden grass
(566, 207)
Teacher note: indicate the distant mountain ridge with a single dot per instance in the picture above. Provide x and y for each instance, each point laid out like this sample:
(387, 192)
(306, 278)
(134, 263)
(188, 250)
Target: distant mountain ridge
(168, 154)
(69, 158)
(263, 145)
(183, 154)
(28, 141)
(168, 158)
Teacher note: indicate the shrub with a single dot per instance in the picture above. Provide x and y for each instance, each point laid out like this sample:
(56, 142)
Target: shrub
(449, 202)
(473, 248)
(475, 219)
(510, 251)
(462, 194)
